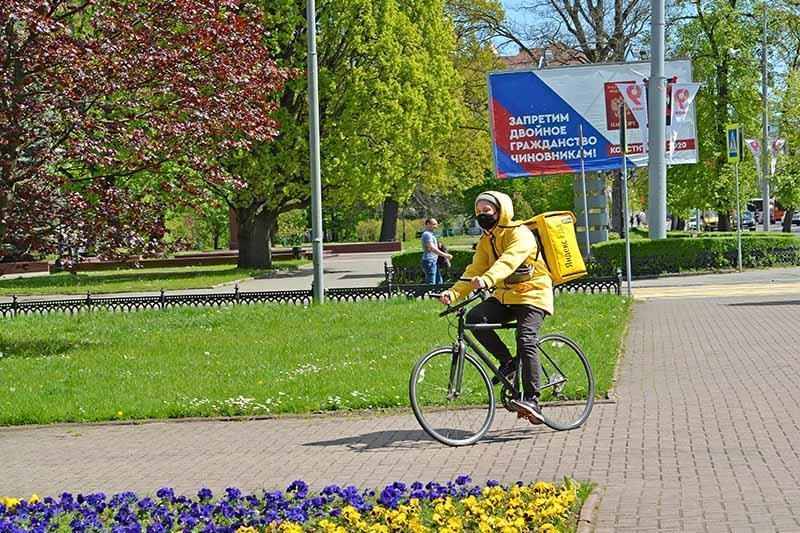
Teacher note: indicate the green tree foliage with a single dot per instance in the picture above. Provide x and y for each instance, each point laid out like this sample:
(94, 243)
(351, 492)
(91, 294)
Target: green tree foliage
(470, 147)
(786, 182)
(720, 36)
(389, 103)
(529, 195)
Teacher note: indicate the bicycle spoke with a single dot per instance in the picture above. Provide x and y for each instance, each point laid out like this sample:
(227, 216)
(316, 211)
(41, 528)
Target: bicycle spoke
(453, 419)
(567, 384)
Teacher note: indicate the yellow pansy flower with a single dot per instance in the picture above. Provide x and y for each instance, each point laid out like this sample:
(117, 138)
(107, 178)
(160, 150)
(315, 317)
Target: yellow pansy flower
(10, 503)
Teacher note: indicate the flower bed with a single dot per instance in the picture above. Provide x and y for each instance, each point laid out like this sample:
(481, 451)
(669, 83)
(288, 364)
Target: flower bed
(456, 506)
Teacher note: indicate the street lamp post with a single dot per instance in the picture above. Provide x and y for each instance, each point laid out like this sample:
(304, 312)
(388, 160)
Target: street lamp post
(313, 134)
(657, 166)
(764, 125)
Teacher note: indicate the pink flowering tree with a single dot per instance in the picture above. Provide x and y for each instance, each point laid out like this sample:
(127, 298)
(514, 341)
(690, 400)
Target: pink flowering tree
(110, 108)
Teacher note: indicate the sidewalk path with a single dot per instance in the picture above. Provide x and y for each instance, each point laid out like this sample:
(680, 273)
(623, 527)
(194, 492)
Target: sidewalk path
(341, 271)
(704, 435)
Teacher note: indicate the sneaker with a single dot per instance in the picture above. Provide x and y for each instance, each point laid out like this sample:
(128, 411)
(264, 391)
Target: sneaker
(528, 409)
(507, 370)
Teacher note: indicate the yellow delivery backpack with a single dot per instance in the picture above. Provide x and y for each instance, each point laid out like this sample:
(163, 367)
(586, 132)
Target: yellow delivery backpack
(558, 243)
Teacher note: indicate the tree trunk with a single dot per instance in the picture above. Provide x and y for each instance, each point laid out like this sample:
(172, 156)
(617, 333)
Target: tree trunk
(723, 221)
(677, 223)
(787, 220)
(617, 213)
(389, 221)
(255, 237)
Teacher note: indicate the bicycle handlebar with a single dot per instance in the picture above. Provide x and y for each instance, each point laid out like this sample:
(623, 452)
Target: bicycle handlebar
(476, 294)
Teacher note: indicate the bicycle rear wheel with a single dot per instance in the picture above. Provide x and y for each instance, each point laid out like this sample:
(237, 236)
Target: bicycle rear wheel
(453, 417)
(567, 391)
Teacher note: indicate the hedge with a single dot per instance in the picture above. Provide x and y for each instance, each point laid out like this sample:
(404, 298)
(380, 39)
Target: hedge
(712, 251)
(641, 233)
(408, 267)
(702, 253)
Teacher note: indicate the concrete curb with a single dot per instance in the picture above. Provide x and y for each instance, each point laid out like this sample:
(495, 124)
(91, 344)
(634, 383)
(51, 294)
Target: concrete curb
(589, 510)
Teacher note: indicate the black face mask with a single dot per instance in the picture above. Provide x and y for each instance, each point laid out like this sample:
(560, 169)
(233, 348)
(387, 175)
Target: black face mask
(486, 221)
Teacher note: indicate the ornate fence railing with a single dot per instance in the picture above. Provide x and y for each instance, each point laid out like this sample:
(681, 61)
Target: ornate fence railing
(164, 301)
(591, 284)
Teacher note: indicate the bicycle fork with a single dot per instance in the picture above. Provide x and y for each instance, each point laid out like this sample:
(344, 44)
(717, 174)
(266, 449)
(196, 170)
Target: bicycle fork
(456, 370)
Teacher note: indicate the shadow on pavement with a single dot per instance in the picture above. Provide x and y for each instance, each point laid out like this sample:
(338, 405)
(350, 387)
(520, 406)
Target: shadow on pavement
(284, 274)
(759, 304)
(414, 439)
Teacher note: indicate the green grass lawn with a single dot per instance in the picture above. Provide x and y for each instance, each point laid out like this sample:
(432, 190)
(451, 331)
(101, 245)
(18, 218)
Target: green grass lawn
(135, 279)
(247, 360)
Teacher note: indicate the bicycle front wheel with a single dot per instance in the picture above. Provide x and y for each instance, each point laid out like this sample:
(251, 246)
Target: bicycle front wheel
(567, 386)
(453, 415)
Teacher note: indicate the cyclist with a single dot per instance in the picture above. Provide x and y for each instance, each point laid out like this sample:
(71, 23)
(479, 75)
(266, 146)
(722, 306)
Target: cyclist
(507, 257)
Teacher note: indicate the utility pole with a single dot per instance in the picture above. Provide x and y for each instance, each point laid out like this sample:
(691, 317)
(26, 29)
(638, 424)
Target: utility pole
(313, 134)
(764, 126)
(657, 166)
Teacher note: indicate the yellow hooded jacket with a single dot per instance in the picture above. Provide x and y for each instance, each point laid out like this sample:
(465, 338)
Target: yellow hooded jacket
(499, 253)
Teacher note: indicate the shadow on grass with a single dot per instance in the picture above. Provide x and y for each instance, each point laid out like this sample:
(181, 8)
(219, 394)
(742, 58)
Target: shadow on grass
(34, 349)
(412, 439)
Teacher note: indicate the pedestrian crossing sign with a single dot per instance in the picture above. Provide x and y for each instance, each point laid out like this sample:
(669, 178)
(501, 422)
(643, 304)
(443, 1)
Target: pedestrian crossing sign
(734, 137)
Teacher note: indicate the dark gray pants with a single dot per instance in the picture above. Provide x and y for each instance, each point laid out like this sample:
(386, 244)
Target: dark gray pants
(529, 320)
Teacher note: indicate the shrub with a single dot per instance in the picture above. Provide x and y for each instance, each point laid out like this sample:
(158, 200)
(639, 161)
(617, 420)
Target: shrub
(292, 228)
(702, 253)
(408, 270)
(368, 230)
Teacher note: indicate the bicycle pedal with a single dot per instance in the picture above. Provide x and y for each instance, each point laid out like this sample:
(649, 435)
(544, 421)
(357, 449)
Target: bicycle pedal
(532, 419)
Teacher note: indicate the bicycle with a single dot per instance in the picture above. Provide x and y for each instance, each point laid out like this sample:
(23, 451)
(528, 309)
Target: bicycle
(448, 385)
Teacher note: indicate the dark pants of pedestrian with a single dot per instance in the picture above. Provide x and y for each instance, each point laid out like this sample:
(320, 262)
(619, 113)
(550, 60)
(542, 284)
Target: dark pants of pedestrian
(430, 268)
(529, 320)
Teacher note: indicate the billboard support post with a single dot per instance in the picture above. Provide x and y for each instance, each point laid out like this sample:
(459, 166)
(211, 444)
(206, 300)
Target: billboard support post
(583, 190)
(623, 148)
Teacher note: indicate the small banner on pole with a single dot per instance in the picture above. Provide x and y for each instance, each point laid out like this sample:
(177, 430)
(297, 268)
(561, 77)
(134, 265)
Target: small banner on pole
(682, 98)
(755, 148)
(775, 148)
(635, 96)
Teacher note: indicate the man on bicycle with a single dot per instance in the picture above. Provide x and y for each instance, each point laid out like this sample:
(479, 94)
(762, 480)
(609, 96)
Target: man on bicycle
(507, 257)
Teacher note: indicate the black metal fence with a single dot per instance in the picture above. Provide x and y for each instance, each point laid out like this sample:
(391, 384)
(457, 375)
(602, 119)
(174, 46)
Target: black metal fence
(411, 277)
(164, 301)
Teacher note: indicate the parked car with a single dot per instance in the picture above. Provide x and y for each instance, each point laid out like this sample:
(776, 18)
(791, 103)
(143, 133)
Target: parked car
(748, 221)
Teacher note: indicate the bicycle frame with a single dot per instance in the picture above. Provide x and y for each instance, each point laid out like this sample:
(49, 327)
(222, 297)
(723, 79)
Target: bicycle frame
(459, 348)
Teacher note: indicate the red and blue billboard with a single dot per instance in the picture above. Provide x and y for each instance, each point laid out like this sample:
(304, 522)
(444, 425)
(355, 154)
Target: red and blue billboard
(537, 117)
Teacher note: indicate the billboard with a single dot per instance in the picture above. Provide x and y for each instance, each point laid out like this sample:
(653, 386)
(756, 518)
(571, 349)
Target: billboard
(536, 116)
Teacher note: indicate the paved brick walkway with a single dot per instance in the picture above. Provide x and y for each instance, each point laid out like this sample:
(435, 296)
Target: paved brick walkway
(704, 435)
